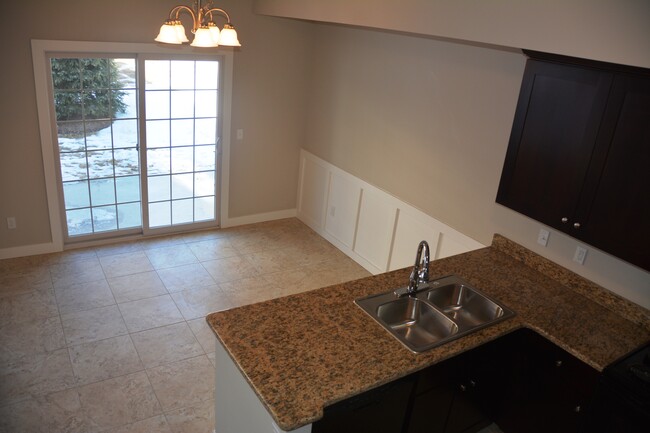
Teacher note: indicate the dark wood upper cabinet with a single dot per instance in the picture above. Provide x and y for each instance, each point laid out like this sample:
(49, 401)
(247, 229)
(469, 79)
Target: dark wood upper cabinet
(578, 158)
(552, 140)
(618, 220)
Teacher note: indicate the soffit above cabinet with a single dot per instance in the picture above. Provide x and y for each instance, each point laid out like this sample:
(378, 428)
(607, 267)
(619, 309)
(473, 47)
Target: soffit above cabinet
(580, 28)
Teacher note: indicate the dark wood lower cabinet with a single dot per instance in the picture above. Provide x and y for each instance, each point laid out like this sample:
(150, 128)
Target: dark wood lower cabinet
(430, 410)
(463, 390)
(466, 414)
(521, 381)
(548, 389)
(614, 411)
(433, 398)
(381, 410)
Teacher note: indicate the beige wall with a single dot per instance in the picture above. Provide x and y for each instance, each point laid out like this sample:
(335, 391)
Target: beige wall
(609, 30)
(429, 122)
(268, 101)
(424, 119)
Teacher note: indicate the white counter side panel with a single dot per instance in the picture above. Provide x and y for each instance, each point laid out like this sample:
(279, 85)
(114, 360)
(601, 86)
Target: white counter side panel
(237, 408)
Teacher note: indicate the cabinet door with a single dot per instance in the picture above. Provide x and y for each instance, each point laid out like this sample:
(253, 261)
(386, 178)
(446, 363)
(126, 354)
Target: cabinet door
(512, 416)
(466, 414)
(479, 388)
(617, 221)
(430, 410)
(613, 411)
(561, 390)
(433, 396)
(552, 389)
(553, 136)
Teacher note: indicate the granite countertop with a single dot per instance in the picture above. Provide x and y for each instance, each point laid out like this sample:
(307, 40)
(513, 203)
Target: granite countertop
(307, 351)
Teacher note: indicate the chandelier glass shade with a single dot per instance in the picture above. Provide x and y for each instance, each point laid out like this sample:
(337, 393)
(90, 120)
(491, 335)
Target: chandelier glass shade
(205, 30)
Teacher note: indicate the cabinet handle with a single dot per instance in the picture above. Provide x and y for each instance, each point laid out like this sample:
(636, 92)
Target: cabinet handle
(576, 225)
(565, 220)
(558, 363)
(577, 409)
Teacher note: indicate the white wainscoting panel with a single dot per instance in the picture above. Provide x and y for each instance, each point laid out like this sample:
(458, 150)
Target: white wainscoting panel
(410, 230)
(312, 192)
(450, 246)
(373, 227)
(342, 208)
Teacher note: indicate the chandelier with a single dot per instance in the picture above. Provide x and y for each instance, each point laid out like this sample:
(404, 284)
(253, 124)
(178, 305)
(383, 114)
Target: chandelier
(206, 32)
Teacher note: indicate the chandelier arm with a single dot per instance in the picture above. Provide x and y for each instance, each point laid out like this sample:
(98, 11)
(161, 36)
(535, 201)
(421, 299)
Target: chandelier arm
(221, 11)
(177, 11)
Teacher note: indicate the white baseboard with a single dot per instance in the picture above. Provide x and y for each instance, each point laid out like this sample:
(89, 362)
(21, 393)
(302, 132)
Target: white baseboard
(51, 247)
(28, 250)
(258, 218)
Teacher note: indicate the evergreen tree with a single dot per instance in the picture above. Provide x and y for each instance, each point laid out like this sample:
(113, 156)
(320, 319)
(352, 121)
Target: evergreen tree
(86, 89)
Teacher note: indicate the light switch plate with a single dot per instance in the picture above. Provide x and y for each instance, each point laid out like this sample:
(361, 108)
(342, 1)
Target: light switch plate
(580, 255)
(542, 238)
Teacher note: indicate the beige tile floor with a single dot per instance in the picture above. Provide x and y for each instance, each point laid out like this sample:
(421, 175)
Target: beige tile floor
(113, 338)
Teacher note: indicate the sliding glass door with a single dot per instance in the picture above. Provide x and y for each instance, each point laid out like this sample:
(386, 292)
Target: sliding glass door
(137, 144)
(181, 134)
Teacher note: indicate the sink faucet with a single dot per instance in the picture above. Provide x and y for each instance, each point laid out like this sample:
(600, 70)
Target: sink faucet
(420, 272)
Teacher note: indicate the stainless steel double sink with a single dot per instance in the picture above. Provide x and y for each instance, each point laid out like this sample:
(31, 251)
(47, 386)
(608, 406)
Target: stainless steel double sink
(441, 310)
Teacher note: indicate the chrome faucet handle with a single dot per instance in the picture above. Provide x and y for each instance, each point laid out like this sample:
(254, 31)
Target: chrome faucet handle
(414, 279)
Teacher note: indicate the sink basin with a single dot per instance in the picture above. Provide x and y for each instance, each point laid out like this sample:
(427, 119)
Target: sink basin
(415, 322)
(442, 310)
(466, 306)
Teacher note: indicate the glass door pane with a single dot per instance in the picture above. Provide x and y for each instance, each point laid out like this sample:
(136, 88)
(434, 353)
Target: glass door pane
(181, 106)
(97, 132)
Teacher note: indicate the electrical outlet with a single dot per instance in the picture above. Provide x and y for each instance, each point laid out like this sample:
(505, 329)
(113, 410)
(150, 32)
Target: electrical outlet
(542, 238)
(332, 211)
(240, 134)
(11, 223)
(580, 254)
